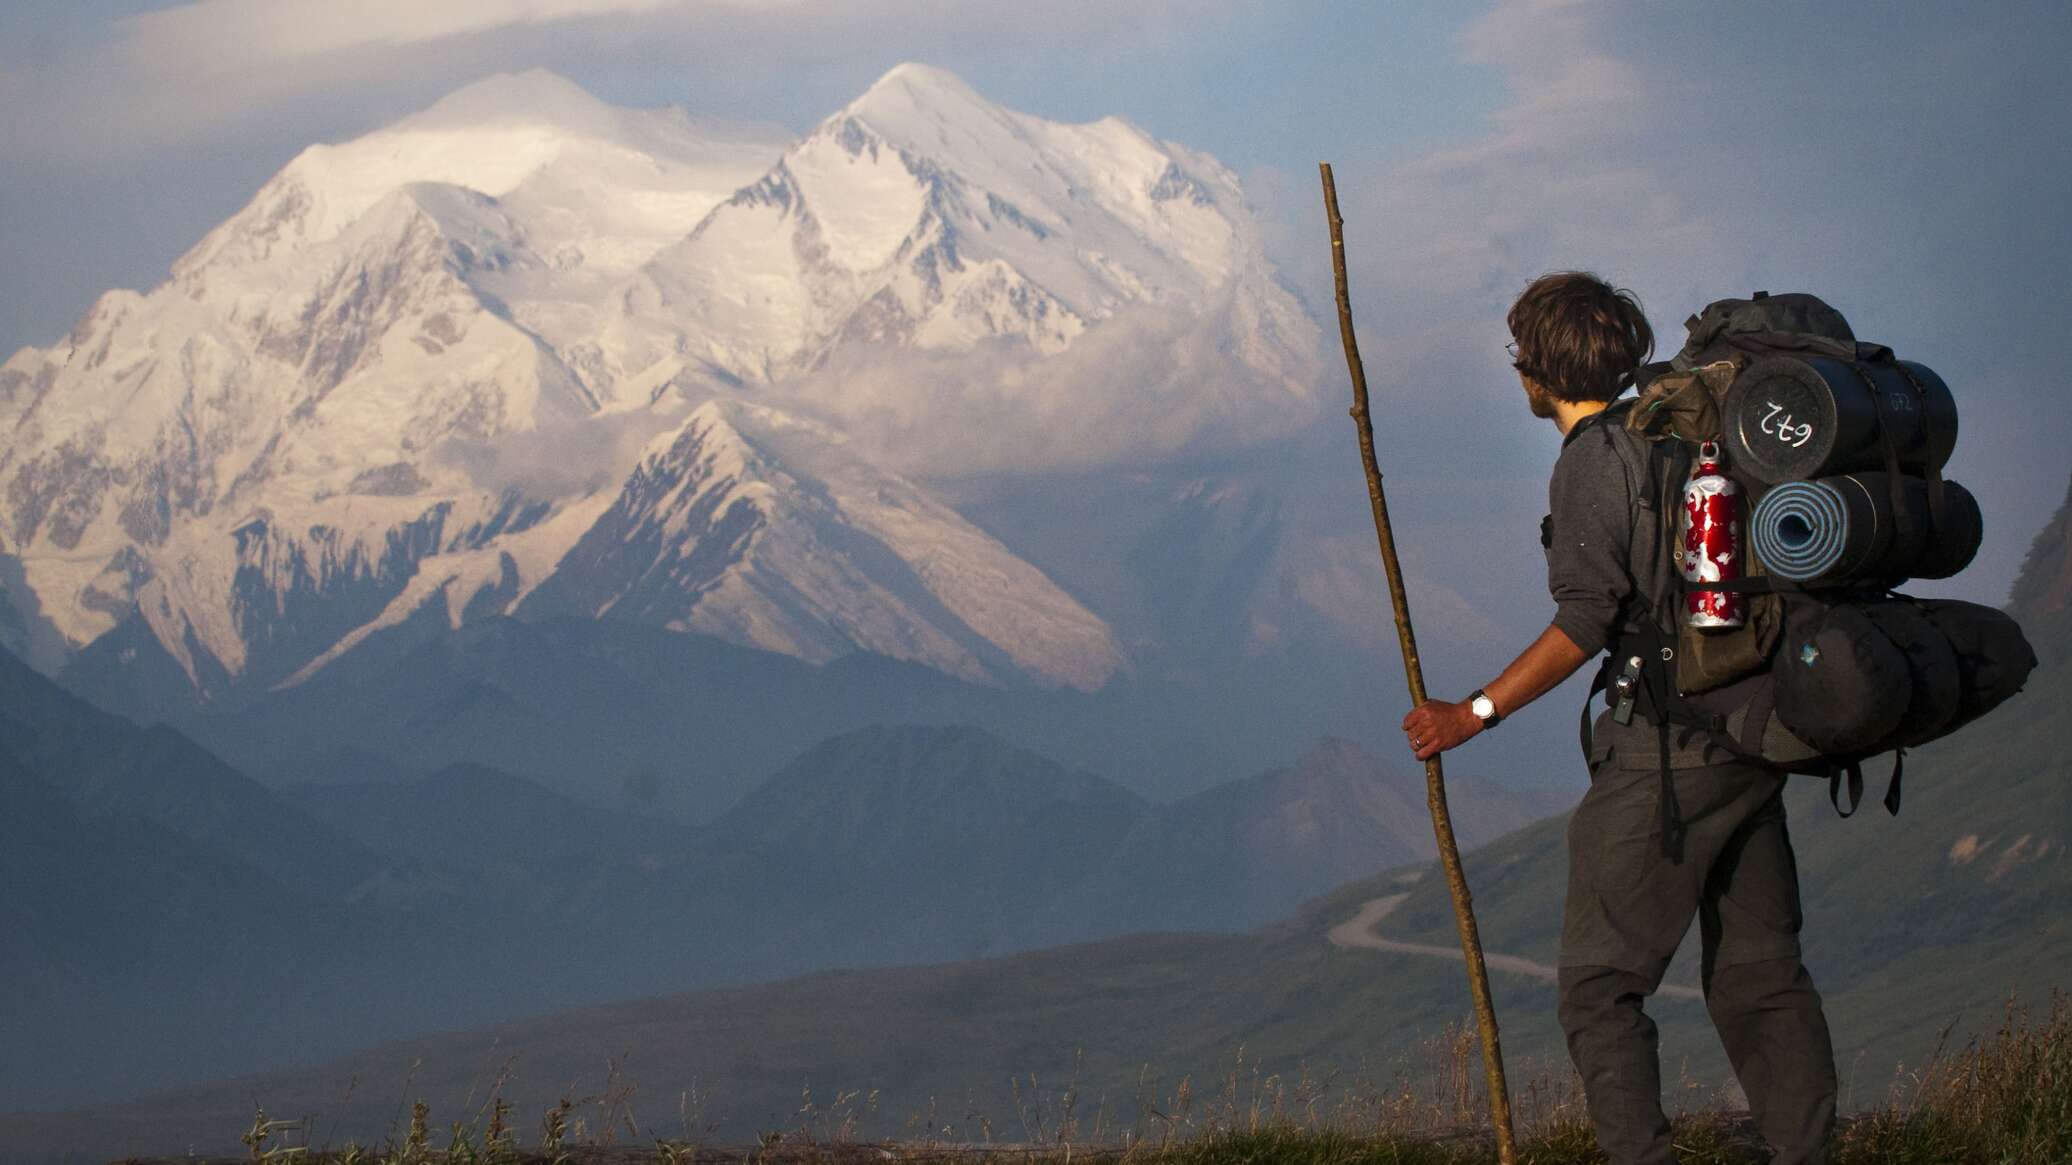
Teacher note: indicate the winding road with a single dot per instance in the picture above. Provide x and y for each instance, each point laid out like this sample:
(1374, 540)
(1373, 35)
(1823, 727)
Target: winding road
(1362, 931)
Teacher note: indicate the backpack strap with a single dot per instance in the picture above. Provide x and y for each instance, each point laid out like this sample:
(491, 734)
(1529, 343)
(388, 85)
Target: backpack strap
(1598, 683)
(1937, 507)
(1672, 812)
(1902, 518)
(1657, 700)
(1851, 772)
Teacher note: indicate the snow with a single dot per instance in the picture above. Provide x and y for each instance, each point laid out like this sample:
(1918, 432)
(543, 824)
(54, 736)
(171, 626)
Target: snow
(524, 268)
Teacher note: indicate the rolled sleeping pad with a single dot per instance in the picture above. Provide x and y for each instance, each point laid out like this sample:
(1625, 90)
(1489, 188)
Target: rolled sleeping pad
(1841, 529)
(1794, 418)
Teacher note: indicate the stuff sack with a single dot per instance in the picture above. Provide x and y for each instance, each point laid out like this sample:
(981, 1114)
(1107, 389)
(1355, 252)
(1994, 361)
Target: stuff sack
(1859, 678)
(1994, 658)
(1856, 676)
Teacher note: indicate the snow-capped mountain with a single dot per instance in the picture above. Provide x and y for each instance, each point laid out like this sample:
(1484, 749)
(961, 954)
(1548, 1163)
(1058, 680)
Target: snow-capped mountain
(923, 219)
(497, 359)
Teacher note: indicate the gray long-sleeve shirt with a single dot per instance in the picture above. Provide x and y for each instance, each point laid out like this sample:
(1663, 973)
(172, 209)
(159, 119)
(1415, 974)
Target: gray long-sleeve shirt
(1604, 543)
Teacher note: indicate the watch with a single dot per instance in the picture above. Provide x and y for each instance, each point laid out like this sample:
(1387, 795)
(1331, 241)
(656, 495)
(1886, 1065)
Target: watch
(1484, 708)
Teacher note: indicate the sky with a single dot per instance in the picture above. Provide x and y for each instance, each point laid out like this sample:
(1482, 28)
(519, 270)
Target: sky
(1907, 162)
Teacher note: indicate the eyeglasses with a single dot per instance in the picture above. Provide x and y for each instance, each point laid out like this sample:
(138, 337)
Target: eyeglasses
(1512, 349)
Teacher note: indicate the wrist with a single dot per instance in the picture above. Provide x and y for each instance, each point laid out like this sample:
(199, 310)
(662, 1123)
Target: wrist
(1483, 709)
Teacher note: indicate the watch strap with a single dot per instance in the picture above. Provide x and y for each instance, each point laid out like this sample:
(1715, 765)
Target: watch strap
(1491, 720)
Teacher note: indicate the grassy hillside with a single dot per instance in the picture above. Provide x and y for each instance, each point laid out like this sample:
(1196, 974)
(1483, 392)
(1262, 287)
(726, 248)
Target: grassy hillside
(1914, 925)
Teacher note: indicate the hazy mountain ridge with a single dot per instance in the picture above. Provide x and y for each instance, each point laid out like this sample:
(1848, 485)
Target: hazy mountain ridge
(887, 845)
(103, 765)
(1248, 849)
(2042, 593)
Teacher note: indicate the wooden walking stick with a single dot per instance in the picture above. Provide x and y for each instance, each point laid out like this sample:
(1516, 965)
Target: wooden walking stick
(1435, 781)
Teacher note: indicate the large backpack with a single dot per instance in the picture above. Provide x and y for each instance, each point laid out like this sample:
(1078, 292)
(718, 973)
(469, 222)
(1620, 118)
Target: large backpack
(1832, 665)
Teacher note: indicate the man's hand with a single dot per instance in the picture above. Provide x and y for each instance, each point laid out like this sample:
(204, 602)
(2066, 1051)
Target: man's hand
(1436, 725)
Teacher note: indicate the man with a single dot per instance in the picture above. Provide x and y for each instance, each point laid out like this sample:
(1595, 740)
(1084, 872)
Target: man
(1672, 826)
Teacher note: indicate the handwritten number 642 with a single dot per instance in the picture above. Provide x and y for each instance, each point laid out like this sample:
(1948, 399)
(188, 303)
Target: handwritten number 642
(1778, 424)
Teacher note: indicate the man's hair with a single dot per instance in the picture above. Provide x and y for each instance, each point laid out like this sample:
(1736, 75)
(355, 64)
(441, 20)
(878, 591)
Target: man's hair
(1578, 336)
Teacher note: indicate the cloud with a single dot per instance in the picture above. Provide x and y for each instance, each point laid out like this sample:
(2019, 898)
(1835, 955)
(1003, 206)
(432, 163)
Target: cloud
(1898, 168)
(220, 37)
(1148, 383)
(162, 77)
(562, 458)
(199, 71)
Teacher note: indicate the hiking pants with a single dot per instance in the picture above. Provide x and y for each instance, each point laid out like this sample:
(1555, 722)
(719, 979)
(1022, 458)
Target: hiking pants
(1627, 910)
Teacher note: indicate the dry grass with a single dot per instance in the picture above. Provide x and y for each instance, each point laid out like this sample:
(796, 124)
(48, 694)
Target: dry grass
(2004, 1098)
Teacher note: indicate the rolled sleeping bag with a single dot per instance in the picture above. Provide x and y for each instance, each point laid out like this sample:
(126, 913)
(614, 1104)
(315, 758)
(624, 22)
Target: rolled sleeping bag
(1932, 692)
(1862, 677)
(1794, 418)
(1842, 686)
(1993, 657)
(1841, 529)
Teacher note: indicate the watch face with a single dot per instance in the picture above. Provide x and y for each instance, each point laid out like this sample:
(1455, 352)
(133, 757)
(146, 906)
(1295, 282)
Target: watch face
(1484, 707)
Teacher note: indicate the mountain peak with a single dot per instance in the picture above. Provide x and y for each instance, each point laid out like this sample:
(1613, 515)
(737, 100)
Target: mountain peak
(911, 97)
(534, 95)
(915, 82)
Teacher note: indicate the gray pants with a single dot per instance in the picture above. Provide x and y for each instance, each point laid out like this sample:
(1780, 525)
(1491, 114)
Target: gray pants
(1627, 910)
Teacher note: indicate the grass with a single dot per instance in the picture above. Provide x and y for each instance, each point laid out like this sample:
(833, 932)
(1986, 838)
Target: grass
(2005, 1098)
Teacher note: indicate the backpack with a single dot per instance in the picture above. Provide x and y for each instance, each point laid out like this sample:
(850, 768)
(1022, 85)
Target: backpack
(1838, 449)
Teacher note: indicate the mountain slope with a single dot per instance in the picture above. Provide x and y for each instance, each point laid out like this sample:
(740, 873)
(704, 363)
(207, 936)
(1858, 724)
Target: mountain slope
(756, 526)
(1903, 946)
(2042, 594)
(164, 910)
(1247, 850)
(166, 899)
(105, 767)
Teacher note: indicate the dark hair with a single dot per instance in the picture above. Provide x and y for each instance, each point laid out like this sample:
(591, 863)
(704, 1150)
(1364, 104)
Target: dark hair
(1578, 336)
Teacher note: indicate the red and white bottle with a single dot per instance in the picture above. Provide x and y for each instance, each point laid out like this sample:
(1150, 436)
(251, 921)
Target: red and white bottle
(1712, 543)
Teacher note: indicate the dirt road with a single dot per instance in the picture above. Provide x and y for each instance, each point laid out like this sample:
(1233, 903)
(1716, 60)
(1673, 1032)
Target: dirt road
(1363, 930)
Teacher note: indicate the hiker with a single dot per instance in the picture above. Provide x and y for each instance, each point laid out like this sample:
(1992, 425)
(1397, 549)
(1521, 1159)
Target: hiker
(1673, 825)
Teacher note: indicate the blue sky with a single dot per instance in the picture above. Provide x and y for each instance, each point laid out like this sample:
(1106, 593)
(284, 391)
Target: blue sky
(1907, 161)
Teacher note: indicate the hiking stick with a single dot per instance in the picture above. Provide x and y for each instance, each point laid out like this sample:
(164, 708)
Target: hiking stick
(1435, 781)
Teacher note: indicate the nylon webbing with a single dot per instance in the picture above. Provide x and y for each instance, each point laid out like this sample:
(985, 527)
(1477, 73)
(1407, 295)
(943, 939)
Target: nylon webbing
(1853, 772)
(1937, 526)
